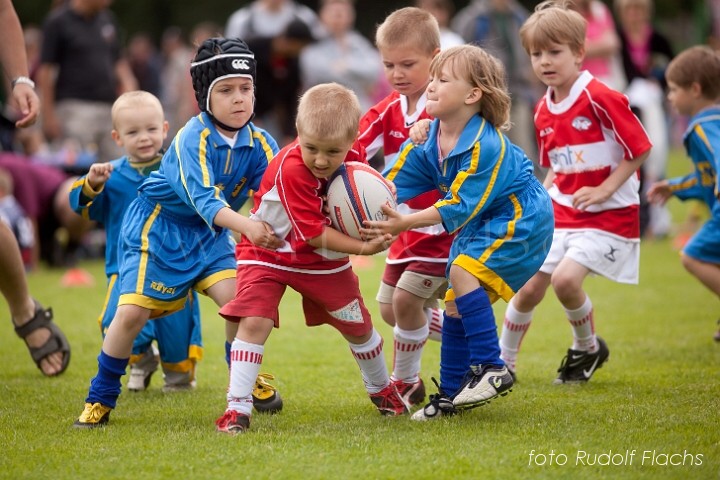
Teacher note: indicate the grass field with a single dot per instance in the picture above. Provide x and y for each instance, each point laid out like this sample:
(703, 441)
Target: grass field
(658, 395)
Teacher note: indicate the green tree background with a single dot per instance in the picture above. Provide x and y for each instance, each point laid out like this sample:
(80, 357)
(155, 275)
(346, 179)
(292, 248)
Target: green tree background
(681, 21)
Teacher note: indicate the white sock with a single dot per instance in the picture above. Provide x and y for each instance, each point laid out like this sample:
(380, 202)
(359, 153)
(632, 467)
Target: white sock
(408, 351)
(583, 327)
(435, 322)
(245, 361)
(369, 357)
(515, 326)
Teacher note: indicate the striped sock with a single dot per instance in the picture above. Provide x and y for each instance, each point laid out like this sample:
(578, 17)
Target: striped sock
(408, 350)
(583, 327)
(515, 326)
(245, 361)
(435, 322)
(369, 357)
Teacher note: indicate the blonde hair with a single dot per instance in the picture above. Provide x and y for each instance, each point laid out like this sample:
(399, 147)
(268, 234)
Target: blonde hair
(554, 23)
(699, 64)
(409, 26)
(135, 98)
(329, 110)
(476, 66)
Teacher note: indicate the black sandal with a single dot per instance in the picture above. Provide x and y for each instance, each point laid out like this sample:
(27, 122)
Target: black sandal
(55, 343)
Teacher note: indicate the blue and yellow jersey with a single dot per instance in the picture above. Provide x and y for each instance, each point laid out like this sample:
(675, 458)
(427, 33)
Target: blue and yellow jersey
(200, 173)
(108, 205)
(483, 169)
(702, 143)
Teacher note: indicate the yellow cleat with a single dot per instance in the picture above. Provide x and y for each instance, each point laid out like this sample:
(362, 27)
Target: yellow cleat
(94, 415)
(266, 398)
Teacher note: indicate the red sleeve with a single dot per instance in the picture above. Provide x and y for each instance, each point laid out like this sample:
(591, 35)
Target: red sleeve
(301, 196)
(613, 110)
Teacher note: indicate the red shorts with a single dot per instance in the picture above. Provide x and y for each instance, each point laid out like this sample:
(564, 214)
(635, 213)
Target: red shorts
(332, 299)
(393, 271)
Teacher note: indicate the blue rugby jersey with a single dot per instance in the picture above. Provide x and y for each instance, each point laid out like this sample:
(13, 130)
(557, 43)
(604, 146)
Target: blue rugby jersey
(482, 169)
(109, 204)
(200, 173)
(702, 143)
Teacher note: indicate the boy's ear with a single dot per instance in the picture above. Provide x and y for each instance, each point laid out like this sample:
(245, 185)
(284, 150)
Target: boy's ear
(696, 90)
(166, 127)
(580, 55)
(116, 136)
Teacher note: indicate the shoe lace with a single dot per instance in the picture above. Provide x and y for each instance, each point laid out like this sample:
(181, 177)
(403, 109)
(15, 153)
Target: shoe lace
(563, 368)
(440, 400)
(262, 384)
(93, 413)
(228, 417)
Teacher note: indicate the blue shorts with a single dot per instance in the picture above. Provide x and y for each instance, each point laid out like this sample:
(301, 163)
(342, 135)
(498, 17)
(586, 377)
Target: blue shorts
(163, 256)
(178, 335)
(505, 247)
(705, 244)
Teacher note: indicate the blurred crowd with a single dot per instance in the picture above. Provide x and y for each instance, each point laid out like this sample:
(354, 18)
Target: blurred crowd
(80, 64)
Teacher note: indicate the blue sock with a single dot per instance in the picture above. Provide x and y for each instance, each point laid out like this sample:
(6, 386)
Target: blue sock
(228, 347)
(454, 355)
(479, 322)
(105, 387)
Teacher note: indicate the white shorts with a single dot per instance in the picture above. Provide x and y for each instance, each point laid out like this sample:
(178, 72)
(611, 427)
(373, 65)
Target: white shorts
(429, 287)
(604, 254)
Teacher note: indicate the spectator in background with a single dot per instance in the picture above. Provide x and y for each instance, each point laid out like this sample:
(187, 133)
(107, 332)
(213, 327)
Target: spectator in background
(81, 74)
(277, 31)
(494, 25)
(443, 11)
(343, 56)
(145, 62)
(645, 55)
(41, 190)
(602, 44)
(176, 92)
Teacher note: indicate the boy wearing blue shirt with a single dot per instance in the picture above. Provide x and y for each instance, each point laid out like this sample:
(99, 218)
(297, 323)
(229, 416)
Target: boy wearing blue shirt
(174, 235)
(104, 195)
(694, 91)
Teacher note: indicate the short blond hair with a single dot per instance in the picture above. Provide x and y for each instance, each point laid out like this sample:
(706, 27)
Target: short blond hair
(329, 110)
(135, 98)
(409, 26)
(476, 66)
(554, 22)
(699, 64)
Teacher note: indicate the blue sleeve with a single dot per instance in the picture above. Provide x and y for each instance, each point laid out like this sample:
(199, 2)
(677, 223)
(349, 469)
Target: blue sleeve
(687, 187)
(188, 169)
(86, 203)
(479, 181)
(410, 172)
(703, 147)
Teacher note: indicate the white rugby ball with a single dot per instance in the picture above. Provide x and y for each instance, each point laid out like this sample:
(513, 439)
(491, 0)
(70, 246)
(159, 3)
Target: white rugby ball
(355, 193)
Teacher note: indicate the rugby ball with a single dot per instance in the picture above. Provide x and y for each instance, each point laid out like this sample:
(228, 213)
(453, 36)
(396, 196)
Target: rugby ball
(355, 193)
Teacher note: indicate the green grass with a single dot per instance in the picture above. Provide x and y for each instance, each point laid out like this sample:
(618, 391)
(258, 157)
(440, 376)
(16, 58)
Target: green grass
(660, 391)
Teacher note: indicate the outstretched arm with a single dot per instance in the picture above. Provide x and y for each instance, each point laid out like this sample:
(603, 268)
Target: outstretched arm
(397, 223)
